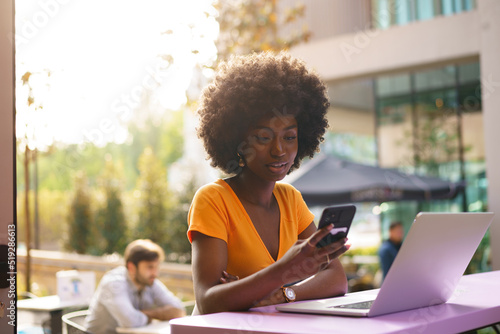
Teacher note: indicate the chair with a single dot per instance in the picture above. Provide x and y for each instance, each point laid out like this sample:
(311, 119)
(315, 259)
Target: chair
(74, 322)
(189, 306)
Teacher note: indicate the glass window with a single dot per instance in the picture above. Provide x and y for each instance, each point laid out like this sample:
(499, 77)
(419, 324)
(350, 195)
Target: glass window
(470, 97)
(458, 6)
(400, 12)
(403, 12)
(437, 99)
(436, 78)
(350, 146)
(447, 7)
(469, 4)
(382, 14)
(469, 91)
(468, 73)
(425, 9)
(393, 85)
(430, 145)
(393, 110)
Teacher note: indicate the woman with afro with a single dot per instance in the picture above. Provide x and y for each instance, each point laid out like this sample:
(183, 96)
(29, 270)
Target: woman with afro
(253, 238)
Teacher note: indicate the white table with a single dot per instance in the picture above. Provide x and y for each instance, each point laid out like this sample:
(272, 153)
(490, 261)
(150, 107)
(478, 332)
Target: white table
(475, 304)
(54, 306)
(155, 327)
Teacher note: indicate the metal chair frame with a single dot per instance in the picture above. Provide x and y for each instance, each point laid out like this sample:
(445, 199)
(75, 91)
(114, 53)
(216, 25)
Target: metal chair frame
(72, 325)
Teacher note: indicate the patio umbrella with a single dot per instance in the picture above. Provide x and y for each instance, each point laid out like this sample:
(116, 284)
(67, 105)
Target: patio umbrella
(327, 180)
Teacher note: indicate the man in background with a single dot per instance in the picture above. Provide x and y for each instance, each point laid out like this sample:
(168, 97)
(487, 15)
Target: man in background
(390, 247)
(131, 295)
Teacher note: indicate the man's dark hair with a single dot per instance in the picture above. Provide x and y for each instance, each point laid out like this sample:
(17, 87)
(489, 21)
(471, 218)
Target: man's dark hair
(395, 224)
(143, 250)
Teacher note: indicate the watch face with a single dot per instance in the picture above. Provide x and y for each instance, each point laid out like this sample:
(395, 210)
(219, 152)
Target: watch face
(290, 293)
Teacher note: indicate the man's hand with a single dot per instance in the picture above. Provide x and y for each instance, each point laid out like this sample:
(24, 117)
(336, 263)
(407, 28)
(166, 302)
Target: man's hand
(166, 312)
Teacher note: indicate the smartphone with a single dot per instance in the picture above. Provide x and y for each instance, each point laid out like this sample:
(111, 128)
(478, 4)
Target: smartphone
(341, 217)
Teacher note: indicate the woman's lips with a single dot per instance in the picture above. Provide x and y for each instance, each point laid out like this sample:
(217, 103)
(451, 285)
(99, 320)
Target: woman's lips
(277, 166)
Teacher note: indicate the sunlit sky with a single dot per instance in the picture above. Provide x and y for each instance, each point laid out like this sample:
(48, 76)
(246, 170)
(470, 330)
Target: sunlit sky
(102, 55)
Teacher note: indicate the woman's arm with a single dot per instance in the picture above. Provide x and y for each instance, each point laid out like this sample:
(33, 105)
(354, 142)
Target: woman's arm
(210, 260)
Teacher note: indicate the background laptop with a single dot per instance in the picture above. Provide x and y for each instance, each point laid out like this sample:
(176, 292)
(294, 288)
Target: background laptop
(426, 271)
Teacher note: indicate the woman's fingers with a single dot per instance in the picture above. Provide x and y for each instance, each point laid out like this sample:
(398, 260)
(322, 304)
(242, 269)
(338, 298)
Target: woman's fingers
(305, 259)
(313, 240)
(339, 251)
(318, 235)
(327, 253)
(227, 277)
(332, 251)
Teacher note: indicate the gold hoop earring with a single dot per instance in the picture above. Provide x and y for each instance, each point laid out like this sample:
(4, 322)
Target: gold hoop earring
(241, 163)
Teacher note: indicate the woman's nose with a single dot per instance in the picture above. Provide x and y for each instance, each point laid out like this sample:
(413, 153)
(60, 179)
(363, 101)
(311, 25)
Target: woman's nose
(277, 148)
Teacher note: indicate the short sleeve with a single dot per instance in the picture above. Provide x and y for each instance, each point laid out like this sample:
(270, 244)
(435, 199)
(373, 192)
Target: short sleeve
(292, 200)
(306, 217)
(208, 213)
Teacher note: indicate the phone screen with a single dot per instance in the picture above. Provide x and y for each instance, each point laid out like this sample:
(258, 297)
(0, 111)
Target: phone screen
(341, 217)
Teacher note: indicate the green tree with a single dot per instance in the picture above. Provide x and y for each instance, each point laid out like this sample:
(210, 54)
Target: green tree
(79, 238)
(178, 247)
(163, 135)
(172, 138)
(152, 192)
(435, 139)
(254, 26)
(110, 218)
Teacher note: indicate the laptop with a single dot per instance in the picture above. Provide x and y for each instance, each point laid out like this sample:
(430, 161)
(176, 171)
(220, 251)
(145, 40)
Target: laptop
(426, 271)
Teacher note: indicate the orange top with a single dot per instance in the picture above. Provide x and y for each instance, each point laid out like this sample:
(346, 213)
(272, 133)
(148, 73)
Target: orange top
(217, 212)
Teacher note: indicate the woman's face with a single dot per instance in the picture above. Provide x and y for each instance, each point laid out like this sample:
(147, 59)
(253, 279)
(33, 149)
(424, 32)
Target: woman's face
(271, 147)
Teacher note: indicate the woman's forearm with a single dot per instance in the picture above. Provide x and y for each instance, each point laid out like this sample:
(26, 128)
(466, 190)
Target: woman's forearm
(329, 282)
(243, 293)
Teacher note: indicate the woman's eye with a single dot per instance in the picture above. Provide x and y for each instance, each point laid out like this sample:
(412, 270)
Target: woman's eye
(261, 139)
(290, 138)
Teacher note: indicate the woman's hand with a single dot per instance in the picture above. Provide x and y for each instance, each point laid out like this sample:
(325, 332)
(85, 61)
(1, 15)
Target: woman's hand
(304, 259)
(228, 278)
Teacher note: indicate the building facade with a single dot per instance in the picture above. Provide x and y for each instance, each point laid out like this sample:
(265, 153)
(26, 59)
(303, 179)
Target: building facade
(414, 84)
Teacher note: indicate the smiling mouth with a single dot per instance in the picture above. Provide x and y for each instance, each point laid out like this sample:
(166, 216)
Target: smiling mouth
(277, 165)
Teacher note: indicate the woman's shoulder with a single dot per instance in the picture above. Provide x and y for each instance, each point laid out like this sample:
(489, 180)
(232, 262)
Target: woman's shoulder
(286, 189)
(217, 185)
(218, 188)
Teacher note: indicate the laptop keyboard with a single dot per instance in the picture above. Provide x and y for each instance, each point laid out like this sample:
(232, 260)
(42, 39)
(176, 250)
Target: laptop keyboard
(359, 306)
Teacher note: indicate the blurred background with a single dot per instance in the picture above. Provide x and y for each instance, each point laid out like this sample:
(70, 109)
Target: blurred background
(106, 94)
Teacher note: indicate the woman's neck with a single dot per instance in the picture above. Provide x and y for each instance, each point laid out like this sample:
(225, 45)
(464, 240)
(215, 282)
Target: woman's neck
(253, 190)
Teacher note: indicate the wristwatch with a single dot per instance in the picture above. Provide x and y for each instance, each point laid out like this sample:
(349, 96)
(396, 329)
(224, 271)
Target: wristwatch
(288, 293)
